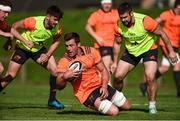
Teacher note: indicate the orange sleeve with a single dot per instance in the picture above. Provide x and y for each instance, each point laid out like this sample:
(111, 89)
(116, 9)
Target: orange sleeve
(176, 21)
(58, 34)
(62, 65)
(164, 15)
(149, 24)
(117, 33)
(29, 23)
(92, 19)
(96, 55)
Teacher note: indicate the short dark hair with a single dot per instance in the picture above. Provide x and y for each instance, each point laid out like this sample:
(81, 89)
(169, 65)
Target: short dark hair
(176, 3)
(72, 35)
(55, 11)
(6, 3)
(124, 7)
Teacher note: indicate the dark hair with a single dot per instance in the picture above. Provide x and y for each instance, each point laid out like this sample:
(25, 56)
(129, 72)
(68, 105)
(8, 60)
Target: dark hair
(124, 7)
(177, 2)
(6, 3)
(55, 11)
(72, 35)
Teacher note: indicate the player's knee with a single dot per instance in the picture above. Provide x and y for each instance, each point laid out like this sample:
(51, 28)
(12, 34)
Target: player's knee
(149, 78)
(119, 99)
(1, 69)
(106, 107)
(127, 105)
(53, 71)
(164, 69)
(114, 111)
(119, 76)
(60, 84)
(12, 74)
(176, 67)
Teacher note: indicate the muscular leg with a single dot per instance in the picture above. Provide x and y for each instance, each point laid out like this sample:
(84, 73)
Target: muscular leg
(107, 62)
(122, 70)
(52, 68)
(106, 107)
(150, 68)
(176, 74)
(13, 69)
(1, 68)
(163, 68)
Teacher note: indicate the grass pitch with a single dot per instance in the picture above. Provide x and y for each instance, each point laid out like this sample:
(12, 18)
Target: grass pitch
(29, 101)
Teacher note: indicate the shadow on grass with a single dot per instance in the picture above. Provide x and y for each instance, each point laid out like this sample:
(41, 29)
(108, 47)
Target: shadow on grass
(145, 110)
(20, 105)
(80, 112)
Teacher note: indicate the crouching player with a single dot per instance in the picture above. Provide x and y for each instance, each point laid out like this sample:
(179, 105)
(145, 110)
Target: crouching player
(91, 88)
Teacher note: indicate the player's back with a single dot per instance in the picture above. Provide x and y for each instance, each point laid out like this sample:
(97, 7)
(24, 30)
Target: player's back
(171, 26)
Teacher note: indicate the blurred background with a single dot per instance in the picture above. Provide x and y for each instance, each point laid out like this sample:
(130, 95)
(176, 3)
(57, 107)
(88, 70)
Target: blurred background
(34, 5)
(76, 13)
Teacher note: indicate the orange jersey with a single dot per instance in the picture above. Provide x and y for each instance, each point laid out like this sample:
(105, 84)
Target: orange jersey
(4, 26)
(104, 25)
(171, 26)
(90, 79)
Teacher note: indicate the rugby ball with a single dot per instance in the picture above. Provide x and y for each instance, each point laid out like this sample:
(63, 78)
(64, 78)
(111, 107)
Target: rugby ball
(77, 66)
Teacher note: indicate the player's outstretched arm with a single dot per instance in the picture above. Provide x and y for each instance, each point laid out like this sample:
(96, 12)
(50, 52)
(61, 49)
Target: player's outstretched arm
(53, 46)
(116, 50)
(6, 34)
(105, 78)
(18, 25)
(91, 31)
(162, 34)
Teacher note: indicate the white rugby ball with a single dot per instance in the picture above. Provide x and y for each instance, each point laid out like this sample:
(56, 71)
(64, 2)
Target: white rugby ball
(76, 65)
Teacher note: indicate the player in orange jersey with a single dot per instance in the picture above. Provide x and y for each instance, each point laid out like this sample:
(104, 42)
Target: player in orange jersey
(171, 26)
(91, 88)
(5, 9)
(101, 26)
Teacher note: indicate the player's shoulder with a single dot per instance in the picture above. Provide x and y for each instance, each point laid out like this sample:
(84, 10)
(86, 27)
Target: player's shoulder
(85, 49)
(166, 13)
(65, 57)
(96, 12)
(115, 11)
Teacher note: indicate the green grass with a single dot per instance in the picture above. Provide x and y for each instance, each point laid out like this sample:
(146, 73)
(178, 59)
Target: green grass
(29, 101)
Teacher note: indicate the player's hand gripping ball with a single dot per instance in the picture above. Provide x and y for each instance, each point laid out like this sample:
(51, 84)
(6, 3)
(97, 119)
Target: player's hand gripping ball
(77, 66)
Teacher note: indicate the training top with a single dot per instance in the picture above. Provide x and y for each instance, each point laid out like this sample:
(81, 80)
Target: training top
(104, 24)
(139, 38)
(171, 26)
(90, 78)
(37, 33)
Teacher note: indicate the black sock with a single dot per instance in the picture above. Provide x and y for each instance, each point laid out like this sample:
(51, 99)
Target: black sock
(176, 75)
(158, 74)
(1, 88)
(7, 78)
(52, 82)
(144, 86)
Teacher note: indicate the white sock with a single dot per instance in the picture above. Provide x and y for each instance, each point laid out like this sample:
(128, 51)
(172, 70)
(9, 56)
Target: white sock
(152, 104)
